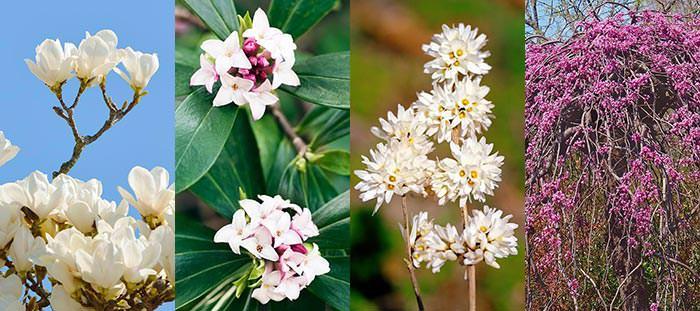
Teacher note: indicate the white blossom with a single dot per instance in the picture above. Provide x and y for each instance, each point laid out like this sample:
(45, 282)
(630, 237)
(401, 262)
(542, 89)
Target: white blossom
(96, 56)
(489, 236)
(25, 247)
(54, 64)
(7, 150)
(10, 293)
(140, 67)
(456, 52)
(153, 193)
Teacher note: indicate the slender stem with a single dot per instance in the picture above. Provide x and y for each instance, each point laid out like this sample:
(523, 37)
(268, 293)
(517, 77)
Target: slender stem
(472, 287)
(409, 261)
(298, 143)
(66, 112)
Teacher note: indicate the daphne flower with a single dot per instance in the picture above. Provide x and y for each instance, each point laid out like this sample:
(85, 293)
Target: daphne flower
(268, 288)
(279, 44)
(260, 245)
(206, 74)
(235, 232)
(472, 174)
(457, 51)
(233, 90)
(313, 264)
(7, 150)
(282, 73)
(227, 53)
(304, 225)
(54, 64)
(153, 193)
(491, 235)
(260, 98)
(11, 293)
(393, 168)
(96, 56)
(280, 227)
(139, 66)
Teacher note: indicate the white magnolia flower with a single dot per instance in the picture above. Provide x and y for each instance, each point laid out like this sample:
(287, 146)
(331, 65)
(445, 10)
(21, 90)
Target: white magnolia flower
(96, 56)
(10, 220)
(25, 247)
(457, 51)
(139, 66)
(82, 203)
(227, 53)
(36, 193)
(165, 237)
(7, 150)
(394, 168)
(102, 266)
(10, 293)
(54, 64)
(206, 74)
(61, 300)
(139, 254)
(489, 236)
(60, 256)
(153, 193)
(472, 174)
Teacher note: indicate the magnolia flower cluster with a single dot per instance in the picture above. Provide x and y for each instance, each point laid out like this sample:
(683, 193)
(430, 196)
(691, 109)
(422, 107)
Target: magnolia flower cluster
(249, 71)
(91, 61)
(7, 150)
(87, 244)
(455, 112)
(486, 237)
(268, 232)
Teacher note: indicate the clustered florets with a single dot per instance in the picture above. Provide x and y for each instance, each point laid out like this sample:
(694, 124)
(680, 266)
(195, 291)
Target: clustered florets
(87, 244)
(456, 111)
(268, 232)
(248, 73)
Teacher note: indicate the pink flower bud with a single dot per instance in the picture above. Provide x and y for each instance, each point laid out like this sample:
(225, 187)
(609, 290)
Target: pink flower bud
(299, 248)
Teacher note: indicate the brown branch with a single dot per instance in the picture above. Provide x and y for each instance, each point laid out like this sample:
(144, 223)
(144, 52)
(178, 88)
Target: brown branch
(298, 143)
(66, 112)
(409, 260)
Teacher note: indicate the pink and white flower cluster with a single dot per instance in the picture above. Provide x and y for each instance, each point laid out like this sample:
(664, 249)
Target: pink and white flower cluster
(270, 233)
(249, 72)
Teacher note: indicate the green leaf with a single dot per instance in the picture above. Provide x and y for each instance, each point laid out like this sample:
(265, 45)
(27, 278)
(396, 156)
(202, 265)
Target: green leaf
(334, 287)
(235, 169)
(333, 222)
(199, 262)
(201, 131)
(186, 63)
(325, 125)
(268, 137)
(295, 17)
(335, 161)
(325, 80)
(219, 15)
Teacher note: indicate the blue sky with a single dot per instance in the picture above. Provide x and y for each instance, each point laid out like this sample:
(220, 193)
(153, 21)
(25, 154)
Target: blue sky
(145, 137)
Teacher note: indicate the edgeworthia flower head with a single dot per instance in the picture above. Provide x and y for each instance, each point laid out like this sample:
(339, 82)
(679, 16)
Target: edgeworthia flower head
(54, 63)
(250, 71)
(267, 231)
(139, 66)
(7, 150)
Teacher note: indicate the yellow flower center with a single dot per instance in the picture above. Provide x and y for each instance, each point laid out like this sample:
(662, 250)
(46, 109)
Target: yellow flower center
(465, 102)
(470, 182)
(469, 109)
(390, 187)
(456, 63)
(460, 52)
(462, 173)
(473, 174)
(392, 179)
(483, 228)
(462, 114)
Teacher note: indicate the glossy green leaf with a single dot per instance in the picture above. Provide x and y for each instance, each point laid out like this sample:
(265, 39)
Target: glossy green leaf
(335, 161)
(234, 169)
(325, 125)
(268, 137)
(325, 80)
(186, 63)
(219, 15)
(334, 287)
(333, 222)
(199, 262)
(201, 131)
(295, 17)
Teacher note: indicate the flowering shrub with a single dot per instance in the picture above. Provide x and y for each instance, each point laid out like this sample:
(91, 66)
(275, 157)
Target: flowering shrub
(62, 231)
(290, 248)
(455, 112)
(613, 144)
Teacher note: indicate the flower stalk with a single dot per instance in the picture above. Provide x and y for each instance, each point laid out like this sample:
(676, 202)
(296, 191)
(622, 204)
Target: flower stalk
(288, 130)
(409, 253)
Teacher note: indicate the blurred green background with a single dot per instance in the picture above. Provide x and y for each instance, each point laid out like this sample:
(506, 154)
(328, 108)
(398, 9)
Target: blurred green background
(387, 69)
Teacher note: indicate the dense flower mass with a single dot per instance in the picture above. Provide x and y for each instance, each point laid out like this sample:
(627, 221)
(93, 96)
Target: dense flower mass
(91, 61)
(455, 112)
(486, 237)
(249, 64)
(94, 251)
(613, 148)
(268, 231)
(7, 150)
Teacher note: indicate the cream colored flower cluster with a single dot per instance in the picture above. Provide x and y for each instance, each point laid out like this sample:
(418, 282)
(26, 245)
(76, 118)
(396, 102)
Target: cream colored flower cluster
(89, 247)
(454, 112)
